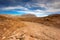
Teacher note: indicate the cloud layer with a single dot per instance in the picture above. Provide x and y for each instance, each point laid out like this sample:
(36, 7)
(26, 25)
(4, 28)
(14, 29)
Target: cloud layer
(37, 7)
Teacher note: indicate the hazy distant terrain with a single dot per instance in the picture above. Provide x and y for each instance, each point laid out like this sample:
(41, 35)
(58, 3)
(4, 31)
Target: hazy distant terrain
(29, 28)
(52, 20)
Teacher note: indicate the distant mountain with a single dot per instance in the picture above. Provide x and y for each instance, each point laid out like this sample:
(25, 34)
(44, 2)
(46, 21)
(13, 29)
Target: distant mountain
(28, 15)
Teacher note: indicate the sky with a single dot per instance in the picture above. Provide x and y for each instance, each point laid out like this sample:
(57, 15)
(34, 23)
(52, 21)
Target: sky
(38, 7)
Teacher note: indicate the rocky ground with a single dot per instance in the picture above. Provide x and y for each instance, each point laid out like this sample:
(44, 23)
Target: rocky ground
(16, 29)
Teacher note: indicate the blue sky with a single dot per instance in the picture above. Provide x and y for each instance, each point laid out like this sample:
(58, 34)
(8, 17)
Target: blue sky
(37, 7)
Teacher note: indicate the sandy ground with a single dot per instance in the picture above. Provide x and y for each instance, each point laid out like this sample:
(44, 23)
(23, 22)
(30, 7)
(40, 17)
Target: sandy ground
(32, 31)
(14, 28)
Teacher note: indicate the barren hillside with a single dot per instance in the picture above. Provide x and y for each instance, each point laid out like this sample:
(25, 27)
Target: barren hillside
(30, 29)
(52, 20)
(28, 15)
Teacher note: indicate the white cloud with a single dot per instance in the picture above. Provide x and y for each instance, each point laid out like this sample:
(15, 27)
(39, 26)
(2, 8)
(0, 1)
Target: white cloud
(14, 7)
(53, 10)
(38, 13)
(53, 6)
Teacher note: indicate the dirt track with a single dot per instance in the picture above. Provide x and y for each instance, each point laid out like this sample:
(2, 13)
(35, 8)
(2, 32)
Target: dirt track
(33, 31)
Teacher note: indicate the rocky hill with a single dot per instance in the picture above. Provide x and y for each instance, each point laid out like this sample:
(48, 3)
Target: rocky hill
(15, 28)
(28, 15)
(51, 20)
